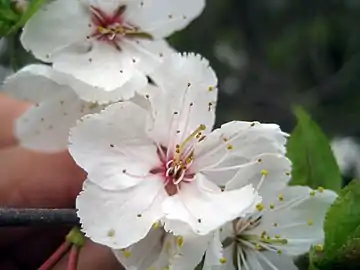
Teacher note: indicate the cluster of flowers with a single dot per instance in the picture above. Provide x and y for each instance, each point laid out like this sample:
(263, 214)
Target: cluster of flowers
(163, 190)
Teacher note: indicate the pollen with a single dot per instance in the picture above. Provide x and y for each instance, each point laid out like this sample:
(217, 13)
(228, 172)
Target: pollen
(281, 197)
(310, 222)
(211, 88)
(156, 225)
(279, 251)
(111, 233)
(264, 172)
(320, 189)
(126, 253)
(230, 147)
(260, 207)
(272, 206)
(180, 241)
(312, 193)
(223, 260)
(319, 248)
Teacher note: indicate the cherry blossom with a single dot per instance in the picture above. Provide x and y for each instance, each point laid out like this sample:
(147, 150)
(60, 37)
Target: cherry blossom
(286, 224)
(56, 105)
(164, 164)
(102, 43)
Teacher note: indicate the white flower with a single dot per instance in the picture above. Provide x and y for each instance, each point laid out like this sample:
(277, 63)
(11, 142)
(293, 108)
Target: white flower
(165, 164)
(161, 250)
(56, 106)
(286, 224)
(103, 43)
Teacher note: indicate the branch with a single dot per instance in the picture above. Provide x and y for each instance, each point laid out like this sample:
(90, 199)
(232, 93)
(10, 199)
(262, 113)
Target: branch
(34, 217)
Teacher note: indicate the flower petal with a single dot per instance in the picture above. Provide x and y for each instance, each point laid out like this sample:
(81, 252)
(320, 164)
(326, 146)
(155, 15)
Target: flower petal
(279, 261)
(296, 215)
(148, 54)
(144, 253)
(196, 203)
(89, 61)
(190, 252)
(188, 100)
(214, 253)
(112, 146)
(243, 140)
(45, 126)
(119, 219)
(161, 18)
(55, 26)
(268, 173)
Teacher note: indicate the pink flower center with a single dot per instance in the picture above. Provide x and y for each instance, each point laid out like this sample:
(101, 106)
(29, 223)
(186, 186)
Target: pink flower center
(176, 166)
(113, 28)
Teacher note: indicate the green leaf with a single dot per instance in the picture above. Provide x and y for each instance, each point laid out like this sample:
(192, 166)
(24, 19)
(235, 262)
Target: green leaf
(342, 222)
(33, 7)
(309, 150)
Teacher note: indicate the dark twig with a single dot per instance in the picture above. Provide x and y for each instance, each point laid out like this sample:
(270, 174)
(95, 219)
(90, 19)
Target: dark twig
(33, 217)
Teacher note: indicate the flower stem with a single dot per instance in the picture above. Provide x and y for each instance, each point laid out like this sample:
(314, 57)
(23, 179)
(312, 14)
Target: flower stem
(73, 258)
(56, 256)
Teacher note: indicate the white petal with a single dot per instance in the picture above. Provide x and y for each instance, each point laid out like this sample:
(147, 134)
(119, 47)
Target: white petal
(55, 26)
(112, 146)
(243, 140)
(269, 173)
(186, 101)
(45, 126)
(161, 18)
(148, 54)
(96, 63)
(190, 254)
(297, 216)
(33, 83)
(196, 203)
(93, 94)
(144, 253)
(119, 219)
(214, 253)
(281, 262)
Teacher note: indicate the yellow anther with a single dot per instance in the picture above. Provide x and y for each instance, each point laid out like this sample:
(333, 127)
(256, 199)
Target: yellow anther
(157, 225)
(320, 189)
(111, 233)
(180, 241)
(225, 139)
(260, 206)
(126, 253)
(211, 88)
(312, 193)
(275, 224)
(257, 246)
(310, 222)
(263, 234)
(230, 147)
(264, 172)
(279, 251)
(272, 206)
(93, 105)
(281, 197)
(319, 248)
(278, 236)
(193, 135)
(223, 260)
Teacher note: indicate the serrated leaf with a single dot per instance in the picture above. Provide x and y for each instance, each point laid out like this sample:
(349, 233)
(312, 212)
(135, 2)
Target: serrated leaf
(342, 228)
(309, 150)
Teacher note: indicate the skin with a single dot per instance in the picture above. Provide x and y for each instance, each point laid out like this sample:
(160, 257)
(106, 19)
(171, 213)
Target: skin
(30, 179)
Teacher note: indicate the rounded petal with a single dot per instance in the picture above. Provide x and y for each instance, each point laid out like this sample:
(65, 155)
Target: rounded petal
(144, 253)
(243, 140)
(97, 64)
(148, 54)
(161, 18)
(268, 173)
(55, 26)
(280, 262)
(45, 126)
(113, 148)
(196, 203)
(119, 219)
(190, 252)
(188, 100)
(297, 215)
